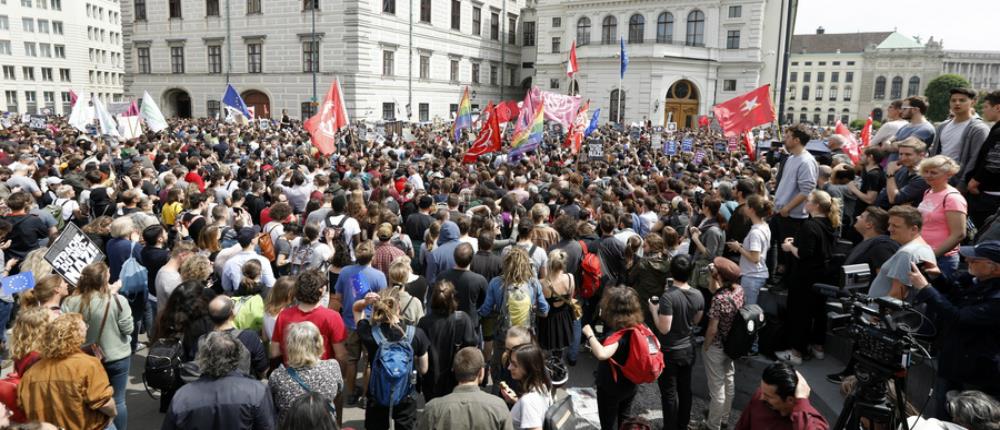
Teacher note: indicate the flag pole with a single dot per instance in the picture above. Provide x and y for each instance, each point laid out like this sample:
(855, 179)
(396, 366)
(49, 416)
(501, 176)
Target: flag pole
(620, 113)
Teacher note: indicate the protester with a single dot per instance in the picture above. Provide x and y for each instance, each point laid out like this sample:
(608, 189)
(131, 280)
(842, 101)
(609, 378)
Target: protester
(620, 309)
(754, 247)
(719, 368)
(466, 406)
(944, 211)
(305, 373)
(527, 367)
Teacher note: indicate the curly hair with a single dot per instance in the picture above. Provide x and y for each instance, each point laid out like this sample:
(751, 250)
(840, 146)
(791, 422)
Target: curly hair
(29, 331)
(196, 268)
(186, 305)
(219, 354)
(620, 307)
(63, 336)
(309, 287)
(517, 268)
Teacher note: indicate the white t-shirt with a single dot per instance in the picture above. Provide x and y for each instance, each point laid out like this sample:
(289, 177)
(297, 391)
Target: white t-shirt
(529, 411)
(951, 139)
(68, 206)
(758, 239)
(351, 228)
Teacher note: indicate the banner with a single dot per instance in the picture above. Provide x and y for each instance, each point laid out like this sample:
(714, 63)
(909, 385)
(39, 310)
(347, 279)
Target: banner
(561, 108)
(71, 252)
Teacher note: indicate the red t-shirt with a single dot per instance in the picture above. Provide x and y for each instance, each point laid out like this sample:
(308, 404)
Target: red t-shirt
(265, 216)
(329, 323)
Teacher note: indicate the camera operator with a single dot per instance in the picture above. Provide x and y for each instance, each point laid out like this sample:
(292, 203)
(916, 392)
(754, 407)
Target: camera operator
(968, 311)
(781, 402)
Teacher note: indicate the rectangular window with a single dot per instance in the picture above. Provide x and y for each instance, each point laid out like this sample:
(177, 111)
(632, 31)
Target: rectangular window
(5, 47)
(60, 51)
(477, 21)
(453, 75)
(556, 22)
(8, 73)
(28, 73)
(389, 6)
(30, 49)
(493, 74)
(834, 76)
(512, 30)
(4, 22)
(423, 112)
(555, 45)
(494, 26)
(140, 10)
(11, 97)
(795, 63)
(836, 63)
(806, 76)
(793, 77)
(176, 59)
(255, 57)
(733, 39)
(388, 111)
(735, 11)
(456, 15)
(215, 59)
(253, 7)
(49, 97)
(387, 63)
(45, 50)
(211, 7)
(425, 11)
(820, 76)
(56, 4)
(310, 56)
(47, 74)
(512, 73)
(475, 73)
(57, 27)
(31, 101)
(528, 39)
(25, 3)
(452, 109)
(214, 108)
(729, 85)
(67, 102)
(43, 26)
(175, 8)
(554, 83)
(308, 110)
(28, 25)
(848, 76)
(64, 75)
(425, 67)
(822, 63)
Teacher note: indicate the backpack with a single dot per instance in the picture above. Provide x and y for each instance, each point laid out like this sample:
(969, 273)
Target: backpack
(305, 257)
(645, 360)
(56, 210)
(267, 245)
(590, 269)
(391, 368)
(337, 230)
(747, 322)
(133, 276)
(100, 203)
(163, 363)
(503, 312)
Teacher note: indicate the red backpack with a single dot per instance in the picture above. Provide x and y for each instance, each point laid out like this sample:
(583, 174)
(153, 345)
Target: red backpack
(645, 360)
(590, 267)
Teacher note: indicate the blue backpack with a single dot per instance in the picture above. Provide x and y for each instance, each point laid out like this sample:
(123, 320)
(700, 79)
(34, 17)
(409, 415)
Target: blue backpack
(134, 276)
(391, 368)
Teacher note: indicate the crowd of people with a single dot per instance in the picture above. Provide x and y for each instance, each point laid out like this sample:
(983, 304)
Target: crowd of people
(273, 287)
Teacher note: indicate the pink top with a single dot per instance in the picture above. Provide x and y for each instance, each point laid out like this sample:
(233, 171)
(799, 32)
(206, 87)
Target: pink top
(933, 208)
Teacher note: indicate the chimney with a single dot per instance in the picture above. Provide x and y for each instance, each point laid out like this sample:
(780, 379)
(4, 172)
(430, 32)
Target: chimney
(820, 30)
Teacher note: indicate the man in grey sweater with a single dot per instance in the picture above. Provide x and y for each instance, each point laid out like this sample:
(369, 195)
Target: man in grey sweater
(962, 136)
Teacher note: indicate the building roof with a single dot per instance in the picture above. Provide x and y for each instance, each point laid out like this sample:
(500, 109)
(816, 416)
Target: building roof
(844, 42)
(899, 41)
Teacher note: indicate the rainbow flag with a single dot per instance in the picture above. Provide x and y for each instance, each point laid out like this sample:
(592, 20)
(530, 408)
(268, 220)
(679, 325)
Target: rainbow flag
(463, 118)
(528, 138)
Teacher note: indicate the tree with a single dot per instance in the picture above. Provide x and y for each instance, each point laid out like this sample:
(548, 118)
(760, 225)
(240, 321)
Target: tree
(938, 96)
(859, 123)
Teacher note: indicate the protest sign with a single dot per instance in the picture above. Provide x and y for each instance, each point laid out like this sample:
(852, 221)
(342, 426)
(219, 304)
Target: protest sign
(656, 139)
(595, 150)
(720, 147)
(671, 127)
(71, 252)
(658, 129)
(37, 123)
(698, 157)
(687, 145)
(734, 143)
(635, 134)
(670, 147)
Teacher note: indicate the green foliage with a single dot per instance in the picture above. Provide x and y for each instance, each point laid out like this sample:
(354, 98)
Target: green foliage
(937, 95)
(859, 123)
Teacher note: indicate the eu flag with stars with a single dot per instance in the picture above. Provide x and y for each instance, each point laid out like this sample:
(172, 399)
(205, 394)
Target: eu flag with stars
(15, 284)
(623, 57)
(593, 123)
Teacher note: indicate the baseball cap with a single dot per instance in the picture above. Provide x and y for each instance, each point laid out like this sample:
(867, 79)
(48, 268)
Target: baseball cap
(247, 235)
(989, 250)
(729, 271)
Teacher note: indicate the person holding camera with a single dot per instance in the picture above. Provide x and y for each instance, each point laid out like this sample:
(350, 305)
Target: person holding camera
(781, 403)
(968, 311)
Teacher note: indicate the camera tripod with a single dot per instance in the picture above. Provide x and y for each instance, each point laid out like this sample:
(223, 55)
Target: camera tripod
(868, 405)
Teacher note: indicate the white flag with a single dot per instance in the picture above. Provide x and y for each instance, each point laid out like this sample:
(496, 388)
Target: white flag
(107, 123)
(129, 127)
(82, 115)
(151, 114)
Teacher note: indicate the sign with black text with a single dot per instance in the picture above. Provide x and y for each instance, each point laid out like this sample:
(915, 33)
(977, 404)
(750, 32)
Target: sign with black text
(595, 150)
(71, 252)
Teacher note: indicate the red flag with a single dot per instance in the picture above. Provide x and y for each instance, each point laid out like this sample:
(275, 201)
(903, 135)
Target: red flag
(332, 117)
(489, 137)
(572, 67)
(574, 139)
(749, 145)
(851, 147)
(133, 109)
(866, 133)
(744, 112)
(703, 121)
(507, 111)
(72, 98)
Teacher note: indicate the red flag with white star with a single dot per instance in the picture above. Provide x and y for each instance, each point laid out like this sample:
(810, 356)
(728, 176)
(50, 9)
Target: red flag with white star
(744, 112)
(331, 117)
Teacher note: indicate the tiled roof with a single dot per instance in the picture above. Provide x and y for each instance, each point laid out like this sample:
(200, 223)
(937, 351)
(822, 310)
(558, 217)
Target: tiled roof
(845, 42)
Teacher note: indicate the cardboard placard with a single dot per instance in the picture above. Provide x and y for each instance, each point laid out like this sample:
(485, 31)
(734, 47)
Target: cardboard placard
(671, 126)
(698, 157)
(37, 123)
(734, 143)
(720, 147)
(656, 139)
(670, 148)
(687, 145)
(71, 252)
(595, 150)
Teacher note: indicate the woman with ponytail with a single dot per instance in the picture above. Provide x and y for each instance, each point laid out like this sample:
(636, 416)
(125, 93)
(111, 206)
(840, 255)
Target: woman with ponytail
(812, 248)
(754, 248)
(555, 330)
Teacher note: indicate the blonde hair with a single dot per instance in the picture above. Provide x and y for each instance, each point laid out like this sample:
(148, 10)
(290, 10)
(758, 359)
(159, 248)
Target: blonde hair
(385, 310)
(281, 296)
(557, 263)
(122, 227)
(196, 268)
(828, 205)
(63, 336)
(303, 345)
(29, 331)
(46, 288)
(913, 143)
(399, 271)
(943, 163)
(35, 263)
(517, 268)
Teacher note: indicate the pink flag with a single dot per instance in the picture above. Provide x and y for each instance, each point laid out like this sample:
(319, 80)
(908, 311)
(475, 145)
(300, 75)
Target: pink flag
(133, 110)
(851, 147)
(72, 98)
(562, 108)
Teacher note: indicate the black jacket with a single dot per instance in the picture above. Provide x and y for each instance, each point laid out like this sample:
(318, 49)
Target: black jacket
(968, 322)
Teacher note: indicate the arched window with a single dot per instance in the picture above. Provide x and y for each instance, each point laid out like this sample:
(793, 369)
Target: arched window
(816, 113)
(791, 93)
(583, 31)
(636, 26)
(819, 93)
(804, 116)
(805, 92)
(695, 29)
(914, 87)
(845, 116)
(831, 116)
(614, 106)
(665, 28)
(609, 30)
(833, 94)
(847, 93)
(897, 88)
(879, 88)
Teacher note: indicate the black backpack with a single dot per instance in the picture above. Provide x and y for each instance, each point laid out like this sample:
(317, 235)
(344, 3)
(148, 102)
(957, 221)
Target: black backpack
(163, 362)
(746, 324)
(100, 203)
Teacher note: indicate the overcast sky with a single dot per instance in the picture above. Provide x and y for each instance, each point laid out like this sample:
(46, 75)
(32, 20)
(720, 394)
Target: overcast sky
(968, 27)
